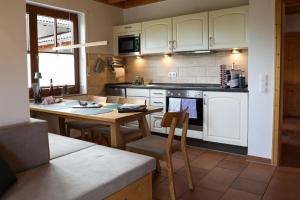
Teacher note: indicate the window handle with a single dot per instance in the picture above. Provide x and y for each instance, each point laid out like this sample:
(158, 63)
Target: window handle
(205, 99)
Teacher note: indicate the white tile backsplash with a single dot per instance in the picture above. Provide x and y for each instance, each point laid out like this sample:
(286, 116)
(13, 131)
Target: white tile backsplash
(198, 68)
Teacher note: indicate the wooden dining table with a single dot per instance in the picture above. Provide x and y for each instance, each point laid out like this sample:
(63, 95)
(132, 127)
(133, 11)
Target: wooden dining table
(114, 119)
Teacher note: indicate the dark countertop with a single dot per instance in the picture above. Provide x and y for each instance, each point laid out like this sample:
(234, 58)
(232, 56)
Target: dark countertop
(177, 86)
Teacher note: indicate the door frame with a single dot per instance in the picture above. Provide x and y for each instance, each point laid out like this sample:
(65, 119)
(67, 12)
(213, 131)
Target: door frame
(278, 83)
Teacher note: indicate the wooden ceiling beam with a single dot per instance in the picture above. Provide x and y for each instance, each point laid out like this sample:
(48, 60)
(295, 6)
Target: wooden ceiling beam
(115, 1)
(127, 3)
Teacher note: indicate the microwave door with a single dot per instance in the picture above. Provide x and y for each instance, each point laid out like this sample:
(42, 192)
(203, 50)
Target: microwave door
(129, 45)
(126, 45)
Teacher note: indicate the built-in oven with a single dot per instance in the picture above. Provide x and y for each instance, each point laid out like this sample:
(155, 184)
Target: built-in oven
(192, 97)
(129, 44)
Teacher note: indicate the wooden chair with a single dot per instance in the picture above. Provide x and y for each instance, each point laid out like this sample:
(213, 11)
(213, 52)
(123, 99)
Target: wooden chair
(128, 134)
(86, 126)
(162, 148)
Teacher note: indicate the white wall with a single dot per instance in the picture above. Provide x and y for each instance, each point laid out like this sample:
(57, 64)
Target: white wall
(14, 105)
(292, 23)
(261, 62)
(170, 8)
(100, 19)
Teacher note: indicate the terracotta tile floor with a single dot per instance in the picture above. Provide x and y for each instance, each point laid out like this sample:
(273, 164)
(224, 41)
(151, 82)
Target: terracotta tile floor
(221, 176)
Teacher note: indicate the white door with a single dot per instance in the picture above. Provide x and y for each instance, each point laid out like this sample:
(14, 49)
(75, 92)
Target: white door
(228, 28)
(190, 32)
(226, 118)
(157, 36)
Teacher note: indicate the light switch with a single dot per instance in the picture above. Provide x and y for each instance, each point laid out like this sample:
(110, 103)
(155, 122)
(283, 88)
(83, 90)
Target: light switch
(263, 83)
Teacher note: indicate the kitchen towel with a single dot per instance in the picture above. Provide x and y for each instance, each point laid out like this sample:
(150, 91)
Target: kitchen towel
(174, 105)
(192, 107)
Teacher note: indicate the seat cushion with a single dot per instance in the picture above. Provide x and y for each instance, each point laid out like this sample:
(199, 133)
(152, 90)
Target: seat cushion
(7, 176)
(61, 146)
(152, 144)
(83, 124)
(90, 174)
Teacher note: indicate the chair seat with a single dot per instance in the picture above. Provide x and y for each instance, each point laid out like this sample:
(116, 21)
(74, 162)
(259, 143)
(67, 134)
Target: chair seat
(83, 124)
(152, 145)
(124, 131)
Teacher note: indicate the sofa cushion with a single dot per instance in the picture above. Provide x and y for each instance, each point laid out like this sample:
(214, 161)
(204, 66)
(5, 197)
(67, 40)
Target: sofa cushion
(90, 174)
(61, 146)
(7, 176)
(24, 146)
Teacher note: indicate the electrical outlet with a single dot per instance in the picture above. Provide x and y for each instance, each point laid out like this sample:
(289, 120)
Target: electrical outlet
(172, 74)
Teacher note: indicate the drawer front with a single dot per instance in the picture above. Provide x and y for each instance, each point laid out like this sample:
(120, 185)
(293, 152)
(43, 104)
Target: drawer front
(158, 93)
(137, 27)
(155, 124)
(159, 102)
(133, 92)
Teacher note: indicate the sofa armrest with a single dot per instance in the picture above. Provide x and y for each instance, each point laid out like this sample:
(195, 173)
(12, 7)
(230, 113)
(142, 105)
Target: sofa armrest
(25, 146)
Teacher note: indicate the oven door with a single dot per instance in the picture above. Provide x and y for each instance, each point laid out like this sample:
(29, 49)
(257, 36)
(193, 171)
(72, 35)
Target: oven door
(194, 123)
(129, 45)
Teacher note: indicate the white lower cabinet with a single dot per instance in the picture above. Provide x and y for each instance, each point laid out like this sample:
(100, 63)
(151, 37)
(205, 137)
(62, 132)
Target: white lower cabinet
(226, 118)
(138, 94)
(155, 124)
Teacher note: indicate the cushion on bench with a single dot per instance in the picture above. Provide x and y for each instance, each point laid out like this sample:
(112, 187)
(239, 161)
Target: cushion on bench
(61, 146)
(24, 146)
(90, 174)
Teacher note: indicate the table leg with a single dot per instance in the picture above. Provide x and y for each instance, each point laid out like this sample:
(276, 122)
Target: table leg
(33, 114)
(62, 126)
(115, 135)
(144, 127)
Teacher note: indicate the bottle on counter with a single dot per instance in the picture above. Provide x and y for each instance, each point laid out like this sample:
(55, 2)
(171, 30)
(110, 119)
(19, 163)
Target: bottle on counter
(51, 90)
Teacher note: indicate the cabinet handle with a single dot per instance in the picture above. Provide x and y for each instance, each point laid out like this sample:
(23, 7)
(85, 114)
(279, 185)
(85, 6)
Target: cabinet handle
(158, 93)
(158, 102)
(205, 99)
(211, 41)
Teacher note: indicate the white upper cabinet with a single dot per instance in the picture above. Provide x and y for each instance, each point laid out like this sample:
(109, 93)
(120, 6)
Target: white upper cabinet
(190, 32)
(157, 36)
(228, 28)
(226, 118)
(128, 28)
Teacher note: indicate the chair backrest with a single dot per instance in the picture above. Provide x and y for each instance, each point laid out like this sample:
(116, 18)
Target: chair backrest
(122, 100)
(98, 99)
(172, 120)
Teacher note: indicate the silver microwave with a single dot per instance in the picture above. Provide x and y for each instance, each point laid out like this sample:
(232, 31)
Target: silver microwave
(129, 45)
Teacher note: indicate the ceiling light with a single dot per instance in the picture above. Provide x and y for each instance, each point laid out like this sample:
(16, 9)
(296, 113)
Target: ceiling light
(75, 46)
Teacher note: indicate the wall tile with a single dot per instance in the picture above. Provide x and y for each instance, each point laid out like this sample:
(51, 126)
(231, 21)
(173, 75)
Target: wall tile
(198, 68)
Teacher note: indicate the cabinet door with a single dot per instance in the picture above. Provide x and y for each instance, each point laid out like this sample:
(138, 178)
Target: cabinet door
(155, 124)
(190, 32)
(228, 28)
(157, 36)
(226, 118)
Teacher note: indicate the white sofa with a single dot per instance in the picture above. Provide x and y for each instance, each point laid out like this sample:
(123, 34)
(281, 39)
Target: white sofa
(52, 167)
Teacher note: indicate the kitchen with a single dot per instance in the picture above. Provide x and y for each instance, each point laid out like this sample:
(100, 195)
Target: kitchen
(216, 58)
(192, 56)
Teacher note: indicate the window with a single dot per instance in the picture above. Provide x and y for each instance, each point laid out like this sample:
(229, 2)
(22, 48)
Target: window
(46, 29)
